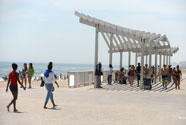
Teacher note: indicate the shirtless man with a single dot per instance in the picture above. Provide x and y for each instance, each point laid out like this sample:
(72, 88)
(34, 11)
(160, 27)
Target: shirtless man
(164, 73)
(146, 70)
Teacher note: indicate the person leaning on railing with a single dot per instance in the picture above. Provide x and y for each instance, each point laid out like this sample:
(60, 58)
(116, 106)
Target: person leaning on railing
(98, 73)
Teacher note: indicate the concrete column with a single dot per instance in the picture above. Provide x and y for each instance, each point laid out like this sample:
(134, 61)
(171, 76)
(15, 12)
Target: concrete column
(150, 62)
(121, 58)
(129, 59)
(167, 60)
(160, 61)
(155, 68)
(160, 67)
(142, 64)
(96, 48)
(136, 60)
(163, 59)
(111, 45)
(146, 58)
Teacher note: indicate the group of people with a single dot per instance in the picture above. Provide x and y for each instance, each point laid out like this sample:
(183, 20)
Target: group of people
(27, 73)
(165, 73)
(49, 79)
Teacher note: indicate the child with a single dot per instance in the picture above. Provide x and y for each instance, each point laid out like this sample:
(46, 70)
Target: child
(12, 80)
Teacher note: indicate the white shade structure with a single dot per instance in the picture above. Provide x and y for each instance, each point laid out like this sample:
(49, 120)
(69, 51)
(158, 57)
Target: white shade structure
(120, 39)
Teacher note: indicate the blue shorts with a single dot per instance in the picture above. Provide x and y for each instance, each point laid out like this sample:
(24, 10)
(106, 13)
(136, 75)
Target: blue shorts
(13, 88)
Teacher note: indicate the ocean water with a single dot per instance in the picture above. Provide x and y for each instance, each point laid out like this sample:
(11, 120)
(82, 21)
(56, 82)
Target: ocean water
(6, 68)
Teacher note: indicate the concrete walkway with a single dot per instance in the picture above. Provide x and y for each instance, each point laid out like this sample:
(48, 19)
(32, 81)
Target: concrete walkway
(116, 104)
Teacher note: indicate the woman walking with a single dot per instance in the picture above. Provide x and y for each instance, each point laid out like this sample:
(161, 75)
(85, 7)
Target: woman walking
(23, 74)
(30, 73)
(174, 77)
(12, 81)
(178, 75)
(131, 75)
(49, 79)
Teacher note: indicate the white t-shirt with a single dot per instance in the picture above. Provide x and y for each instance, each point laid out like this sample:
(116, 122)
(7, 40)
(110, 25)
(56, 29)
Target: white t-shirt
(50, 79)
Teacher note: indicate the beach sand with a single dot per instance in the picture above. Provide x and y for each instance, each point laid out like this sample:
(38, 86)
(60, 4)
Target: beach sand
(89, 106)
(35, 83)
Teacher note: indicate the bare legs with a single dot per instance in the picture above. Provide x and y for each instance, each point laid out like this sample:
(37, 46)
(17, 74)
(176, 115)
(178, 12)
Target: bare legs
(23, 78)
(29, 81)
(178, 83)
(14, 93)
(131, 81)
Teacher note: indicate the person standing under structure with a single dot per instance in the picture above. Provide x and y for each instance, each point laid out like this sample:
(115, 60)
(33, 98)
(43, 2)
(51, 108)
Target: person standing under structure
(110, 74)
(138, 71)
(164, 73)
(98, 73)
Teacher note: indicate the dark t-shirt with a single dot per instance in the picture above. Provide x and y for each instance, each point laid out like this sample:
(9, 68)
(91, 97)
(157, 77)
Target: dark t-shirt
(138, 70)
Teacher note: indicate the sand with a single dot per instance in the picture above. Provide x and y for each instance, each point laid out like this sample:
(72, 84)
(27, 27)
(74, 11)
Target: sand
(116, 104)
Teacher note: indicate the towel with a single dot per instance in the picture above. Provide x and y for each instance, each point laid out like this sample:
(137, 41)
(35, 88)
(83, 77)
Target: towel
(47, 73)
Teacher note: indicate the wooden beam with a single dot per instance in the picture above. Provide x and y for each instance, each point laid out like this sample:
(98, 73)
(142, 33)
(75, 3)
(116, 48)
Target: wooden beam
(106, 41)
(96, 48)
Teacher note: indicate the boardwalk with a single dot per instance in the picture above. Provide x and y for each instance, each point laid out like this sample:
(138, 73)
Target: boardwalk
(155, 87)
(116, 104)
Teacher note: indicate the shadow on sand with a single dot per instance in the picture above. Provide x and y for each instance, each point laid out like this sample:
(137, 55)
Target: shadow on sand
(54, 108)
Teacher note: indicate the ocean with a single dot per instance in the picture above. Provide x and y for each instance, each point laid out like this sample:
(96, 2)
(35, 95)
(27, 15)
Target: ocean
(6, 68)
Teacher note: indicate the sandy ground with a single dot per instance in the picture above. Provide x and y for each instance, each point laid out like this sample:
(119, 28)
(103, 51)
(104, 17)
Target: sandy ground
(62, 83)
(115, 104)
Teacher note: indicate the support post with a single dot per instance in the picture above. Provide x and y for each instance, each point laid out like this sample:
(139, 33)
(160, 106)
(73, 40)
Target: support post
(121, 58)
(129, 59)
(136, 60)
(150, 61)
(146, 59)
(142, 63)
(167, 60)
(163, 59)
(155, 68)
(96, 47)
(160, 68)
(111, 45)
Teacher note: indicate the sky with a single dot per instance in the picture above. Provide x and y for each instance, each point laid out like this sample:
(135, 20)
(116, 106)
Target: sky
(48, 30)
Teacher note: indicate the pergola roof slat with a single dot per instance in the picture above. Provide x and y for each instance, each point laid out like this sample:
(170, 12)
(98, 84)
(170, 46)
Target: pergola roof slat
(152, 40)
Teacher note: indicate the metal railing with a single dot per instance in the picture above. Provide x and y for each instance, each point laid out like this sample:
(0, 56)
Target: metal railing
(83, 78)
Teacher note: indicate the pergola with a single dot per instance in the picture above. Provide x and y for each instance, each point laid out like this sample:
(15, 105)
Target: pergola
(120, 39)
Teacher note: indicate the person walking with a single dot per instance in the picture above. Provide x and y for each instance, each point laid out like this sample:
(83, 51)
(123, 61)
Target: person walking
(23, 74)
(110, 74)
(174, 77)
(138, 71)
(170, 74)
(98, 73)
(131, 75)
(49, 79)
(12, 84)
(164, 73)
(178, 76)
(30, 73)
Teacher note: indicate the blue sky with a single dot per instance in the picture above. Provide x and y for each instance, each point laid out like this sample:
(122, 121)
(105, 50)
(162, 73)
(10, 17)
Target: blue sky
(48, 30)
